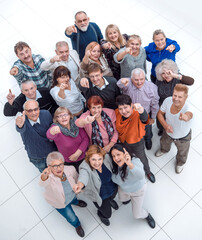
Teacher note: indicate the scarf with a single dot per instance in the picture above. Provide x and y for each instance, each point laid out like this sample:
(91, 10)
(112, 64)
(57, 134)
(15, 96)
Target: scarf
(96, 134)
(72, 132)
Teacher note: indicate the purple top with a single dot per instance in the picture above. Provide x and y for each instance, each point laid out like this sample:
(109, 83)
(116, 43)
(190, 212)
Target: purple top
(147, 95)
(68, 145)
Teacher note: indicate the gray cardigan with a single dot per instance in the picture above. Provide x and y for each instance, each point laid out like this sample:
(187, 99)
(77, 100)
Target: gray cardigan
(91, 180)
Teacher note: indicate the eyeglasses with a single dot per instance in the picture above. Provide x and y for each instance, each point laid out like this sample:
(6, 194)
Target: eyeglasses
(63, 115)
(55, 167)
(83, 20)
(32, 110)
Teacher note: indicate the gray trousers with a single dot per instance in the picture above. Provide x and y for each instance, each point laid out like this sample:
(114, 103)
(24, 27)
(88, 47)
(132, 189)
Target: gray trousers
(182, 145)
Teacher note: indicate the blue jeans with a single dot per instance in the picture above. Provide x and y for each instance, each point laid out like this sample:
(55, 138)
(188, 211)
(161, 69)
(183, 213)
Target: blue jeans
(69, 213)
(39, 163)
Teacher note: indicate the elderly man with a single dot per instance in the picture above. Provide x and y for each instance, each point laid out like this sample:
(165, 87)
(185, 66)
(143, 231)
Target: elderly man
(32, 126)
(28, 66)
(83, 33)
(146, 94)
(175, 117)
(64, 57)
(105, 87)
(29, 91)
(130, 124)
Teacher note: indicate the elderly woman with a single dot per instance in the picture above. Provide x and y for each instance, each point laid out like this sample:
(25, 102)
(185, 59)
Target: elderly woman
(58, 181)
(132, 56)
(95, 177)
(159, 49)
(70, 140)
(65, 92)
(115, 41)
(129, 175)
(93, 54)
(99, 123)
(168, 76)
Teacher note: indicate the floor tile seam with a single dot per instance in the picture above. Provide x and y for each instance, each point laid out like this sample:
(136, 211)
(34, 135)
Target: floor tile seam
(195, 69)
(101, 225)
(193, 147)
(16, 11)
(12, 153)
(1, 126)
(161, 229)
(192, 103)
(161, 167)
(4, 202)
(195, 200)
(191, 33)
(24, 186)
(170, 20)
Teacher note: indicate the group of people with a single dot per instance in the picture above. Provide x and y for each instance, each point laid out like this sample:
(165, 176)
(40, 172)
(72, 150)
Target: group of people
(87, 114)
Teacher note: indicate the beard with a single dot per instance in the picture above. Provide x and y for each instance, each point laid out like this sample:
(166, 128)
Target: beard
(84, 29)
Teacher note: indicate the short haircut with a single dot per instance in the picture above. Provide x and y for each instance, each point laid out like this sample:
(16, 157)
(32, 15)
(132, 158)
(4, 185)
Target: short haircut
(166, 64)
(94, 149)
(157, 32)
(91, 45)
(123, 100)
(181, 88)
(94, 67)
(59, 111)
(19, 46)
(96, 100)
(59, 72)
(137, 71)
(54, 156)
(121, 39)
(30, 101)
(79, 12)
(26, 81)
(61, 44)
(134, 37)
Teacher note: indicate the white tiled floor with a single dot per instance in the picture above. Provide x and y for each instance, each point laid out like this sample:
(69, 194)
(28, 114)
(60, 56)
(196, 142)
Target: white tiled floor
(175, 201)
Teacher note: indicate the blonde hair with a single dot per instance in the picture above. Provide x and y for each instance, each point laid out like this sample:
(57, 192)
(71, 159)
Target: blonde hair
(121, 39)
(134, 37)
(181, 88)
(91, 45)
(166, 64)
(94, 149)
(61, 110)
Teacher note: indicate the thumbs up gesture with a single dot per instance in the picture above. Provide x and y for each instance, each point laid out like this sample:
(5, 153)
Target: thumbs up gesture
(10, 97)
(20, 120)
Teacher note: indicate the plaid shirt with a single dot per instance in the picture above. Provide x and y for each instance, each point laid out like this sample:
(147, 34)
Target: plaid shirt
(40, 77)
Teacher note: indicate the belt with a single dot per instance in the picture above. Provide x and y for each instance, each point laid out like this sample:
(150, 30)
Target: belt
(175, 139)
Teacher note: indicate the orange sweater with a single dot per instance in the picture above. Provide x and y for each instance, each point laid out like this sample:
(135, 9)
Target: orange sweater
(131, 130)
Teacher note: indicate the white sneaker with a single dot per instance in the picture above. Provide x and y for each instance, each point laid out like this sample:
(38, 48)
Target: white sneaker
(159, 153)
(179, 169)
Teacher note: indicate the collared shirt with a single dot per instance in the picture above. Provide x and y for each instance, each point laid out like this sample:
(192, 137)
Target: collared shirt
(32, 122)
(103, 86)
(40, 77)
(147, 95)
(38, 95)
(70, 64)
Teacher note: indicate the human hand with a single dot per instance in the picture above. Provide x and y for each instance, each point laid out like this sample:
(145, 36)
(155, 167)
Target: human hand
(77, 188)
(107, 148)
(20, 120)
(129, 50)
(10, 97)
(75, 155)
(84, 83)
(14, 71)
(125, 81)
(45, 174)
(56, 58)
(71, 29)
(55, 130)
(151, 121)
(90, 119)
(171, 48)
(184, 117)
(127, 159)
(107, 45)
(169, 129)
(138, 107)
(63, 86)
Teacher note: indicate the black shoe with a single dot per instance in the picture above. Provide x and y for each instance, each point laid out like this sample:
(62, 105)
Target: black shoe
(103, 219)
(160, 132)
(81, 203)
(148, 144)
(151, 177)
(151, 221)
(80, 231)
(114, 205)
(126, 202)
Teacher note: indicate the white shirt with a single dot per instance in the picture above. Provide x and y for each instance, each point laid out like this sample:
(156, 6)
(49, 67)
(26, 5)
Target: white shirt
(180, 127)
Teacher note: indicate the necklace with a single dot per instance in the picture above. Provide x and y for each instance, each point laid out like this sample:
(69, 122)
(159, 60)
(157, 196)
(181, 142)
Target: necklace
(63, 178)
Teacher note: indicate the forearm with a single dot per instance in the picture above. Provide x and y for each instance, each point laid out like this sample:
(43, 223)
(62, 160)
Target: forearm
(121, 55)
(144, 116)
(187, 80)
(189, 115)
(61, 94)
(10, 110)
(161, 119)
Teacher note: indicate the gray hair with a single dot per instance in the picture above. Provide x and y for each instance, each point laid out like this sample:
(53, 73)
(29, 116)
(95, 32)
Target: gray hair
(27, 81)
(61, 44)
(54, 156)
(79, 13)
(29, 101)
(137, 71)
(167, 64)
(157, 32)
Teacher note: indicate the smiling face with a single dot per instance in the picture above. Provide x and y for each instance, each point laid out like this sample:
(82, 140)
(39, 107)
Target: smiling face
(25, 55)
(97, 78)
(179, 98)
(96, 110)
(32, 110)
(138, 79)
(57, 167)
(166, 75)
(82, 21)
(135, 45)
(63, 52)
(95, 53)
(118, 157)
(63, 79)
(125, 110)
(63, 118)
(96, 161)
(29, 90)
(160, 41)
(113, 35)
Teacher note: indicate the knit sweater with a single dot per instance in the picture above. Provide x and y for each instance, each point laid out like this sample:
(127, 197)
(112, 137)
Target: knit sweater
(46, 102)
(34, 137)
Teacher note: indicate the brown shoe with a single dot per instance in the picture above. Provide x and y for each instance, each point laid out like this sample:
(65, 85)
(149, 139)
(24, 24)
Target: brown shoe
(81, 203)
(80, 231)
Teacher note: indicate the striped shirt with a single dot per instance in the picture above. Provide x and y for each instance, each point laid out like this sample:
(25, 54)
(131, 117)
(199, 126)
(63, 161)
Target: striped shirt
(40, 77)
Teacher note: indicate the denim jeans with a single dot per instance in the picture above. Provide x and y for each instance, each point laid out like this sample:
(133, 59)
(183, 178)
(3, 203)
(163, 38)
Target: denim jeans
(69, 213)
(39, 163)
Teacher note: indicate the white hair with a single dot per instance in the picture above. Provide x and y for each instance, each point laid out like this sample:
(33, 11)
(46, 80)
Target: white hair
(54, 156)
(137, 71)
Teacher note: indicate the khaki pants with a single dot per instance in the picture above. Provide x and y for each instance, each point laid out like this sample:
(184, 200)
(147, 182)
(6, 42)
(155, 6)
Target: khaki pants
(182, 145)
(137, 199)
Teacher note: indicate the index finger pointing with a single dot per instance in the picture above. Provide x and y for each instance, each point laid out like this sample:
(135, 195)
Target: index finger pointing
(10, 91)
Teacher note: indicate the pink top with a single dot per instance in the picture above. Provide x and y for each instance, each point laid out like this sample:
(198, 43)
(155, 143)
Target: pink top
(54, 193)
(68, 145)
(105, 138)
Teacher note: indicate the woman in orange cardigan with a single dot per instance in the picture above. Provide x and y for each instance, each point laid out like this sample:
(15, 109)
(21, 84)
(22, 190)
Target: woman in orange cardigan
(130, 124)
